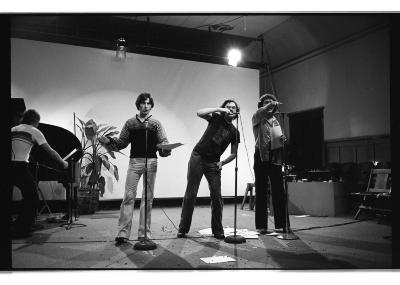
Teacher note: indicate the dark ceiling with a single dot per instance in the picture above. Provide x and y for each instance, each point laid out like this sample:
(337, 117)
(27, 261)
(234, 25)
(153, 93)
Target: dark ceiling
(285, 37)
(145, 37)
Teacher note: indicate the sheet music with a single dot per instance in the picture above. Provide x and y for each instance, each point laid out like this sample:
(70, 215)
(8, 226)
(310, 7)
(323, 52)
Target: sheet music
(70, 154)
(169, 146)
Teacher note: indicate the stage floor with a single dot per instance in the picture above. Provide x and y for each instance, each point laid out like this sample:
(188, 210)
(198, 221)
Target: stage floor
(324, 243)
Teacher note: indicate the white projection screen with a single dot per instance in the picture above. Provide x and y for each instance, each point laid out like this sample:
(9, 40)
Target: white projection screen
(58, 80)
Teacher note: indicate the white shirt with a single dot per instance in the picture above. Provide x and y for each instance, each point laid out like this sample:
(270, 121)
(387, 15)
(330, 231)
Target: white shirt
(23, 137)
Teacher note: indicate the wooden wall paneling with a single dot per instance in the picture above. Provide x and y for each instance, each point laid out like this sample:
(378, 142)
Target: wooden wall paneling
(333, 154)
(347, 152)
(364, 152)
(359, 150)
(382, 151)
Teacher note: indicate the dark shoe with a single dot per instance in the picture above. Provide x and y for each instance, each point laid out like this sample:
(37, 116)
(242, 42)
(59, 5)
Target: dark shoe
(262, 231)
(267, 232)
(120, 240)
(219, 236)
(181, 235)
(281, 230)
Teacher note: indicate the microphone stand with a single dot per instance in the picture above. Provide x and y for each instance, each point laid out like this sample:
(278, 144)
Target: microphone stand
(70, 195)
(145, 244)
(235, 238)
(287, 234)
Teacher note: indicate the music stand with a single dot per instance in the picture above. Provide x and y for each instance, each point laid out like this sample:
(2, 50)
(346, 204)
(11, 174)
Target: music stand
(72, 158)
(146, 243)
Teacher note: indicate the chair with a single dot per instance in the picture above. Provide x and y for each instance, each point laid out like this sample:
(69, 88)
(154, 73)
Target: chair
(364, 171)
(378, 188)
(248, 191)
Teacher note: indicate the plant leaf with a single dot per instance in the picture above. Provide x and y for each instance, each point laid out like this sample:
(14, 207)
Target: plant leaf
(88, 155)
(91, 129)
(112, 154)
(108, 129)
(116, 172)
(89, 168)
(98, 162)
(82, 122)
(94, 178)
(102, 184)
(79, 128)
(106, 163)
(102, 129)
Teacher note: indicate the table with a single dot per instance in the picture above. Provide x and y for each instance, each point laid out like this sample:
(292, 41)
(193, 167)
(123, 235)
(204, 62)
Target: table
(317, 198)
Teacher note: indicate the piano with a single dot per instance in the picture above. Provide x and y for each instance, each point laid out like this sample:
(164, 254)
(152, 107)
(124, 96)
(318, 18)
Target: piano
(45, 168)
(62, 141)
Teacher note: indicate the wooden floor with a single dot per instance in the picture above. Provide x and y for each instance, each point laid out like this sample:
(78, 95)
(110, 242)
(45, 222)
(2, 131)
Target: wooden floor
(324, 243)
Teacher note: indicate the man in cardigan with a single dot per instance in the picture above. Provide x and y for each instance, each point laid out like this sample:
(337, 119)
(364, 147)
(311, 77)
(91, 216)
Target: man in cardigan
(134, 132)
(268, 164)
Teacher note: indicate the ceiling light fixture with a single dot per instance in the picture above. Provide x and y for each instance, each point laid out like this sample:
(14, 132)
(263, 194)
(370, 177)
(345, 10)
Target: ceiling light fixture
(221, 27)
(234, 56)
(121, 49)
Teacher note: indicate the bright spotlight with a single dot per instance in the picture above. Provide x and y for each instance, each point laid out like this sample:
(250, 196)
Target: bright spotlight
(234, 56)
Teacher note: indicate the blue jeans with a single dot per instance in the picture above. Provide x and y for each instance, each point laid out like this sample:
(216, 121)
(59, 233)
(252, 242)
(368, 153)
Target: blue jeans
(197, 166)
(23, 179)
(262, 171)
(135, 170)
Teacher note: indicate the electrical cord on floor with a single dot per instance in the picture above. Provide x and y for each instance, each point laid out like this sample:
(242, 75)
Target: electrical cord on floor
(169, 218)
(323, 227)
(319, 227)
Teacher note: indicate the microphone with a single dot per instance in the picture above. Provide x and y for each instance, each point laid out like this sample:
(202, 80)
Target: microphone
(277, 106)
(260, 103)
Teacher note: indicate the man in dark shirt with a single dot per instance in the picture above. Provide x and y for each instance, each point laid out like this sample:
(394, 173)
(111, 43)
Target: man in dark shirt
(134, 132)
(205, 159)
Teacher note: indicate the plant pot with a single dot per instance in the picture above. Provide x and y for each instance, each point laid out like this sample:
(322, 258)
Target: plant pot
(88, 200)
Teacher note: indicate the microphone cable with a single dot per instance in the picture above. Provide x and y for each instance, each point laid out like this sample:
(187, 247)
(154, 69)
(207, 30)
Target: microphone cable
(247, 153)
(169, 218)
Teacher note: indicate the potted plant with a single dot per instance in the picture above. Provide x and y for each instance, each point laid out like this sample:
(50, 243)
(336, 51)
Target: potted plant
(95, 155)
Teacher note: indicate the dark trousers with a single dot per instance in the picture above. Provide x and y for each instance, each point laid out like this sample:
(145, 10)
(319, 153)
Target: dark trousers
(263, 170)
(23, 179)
(197, 166)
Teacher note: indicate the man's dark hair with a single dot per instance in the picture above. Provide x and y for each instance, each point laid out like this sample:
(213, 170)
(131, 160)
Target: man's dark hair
(143, 97)
(229, 101)
(265, 97)
(30, 117)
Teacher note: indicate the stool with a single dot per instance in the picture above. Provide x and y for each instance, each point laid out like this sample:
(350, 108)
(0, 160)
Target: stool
(249, 191)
